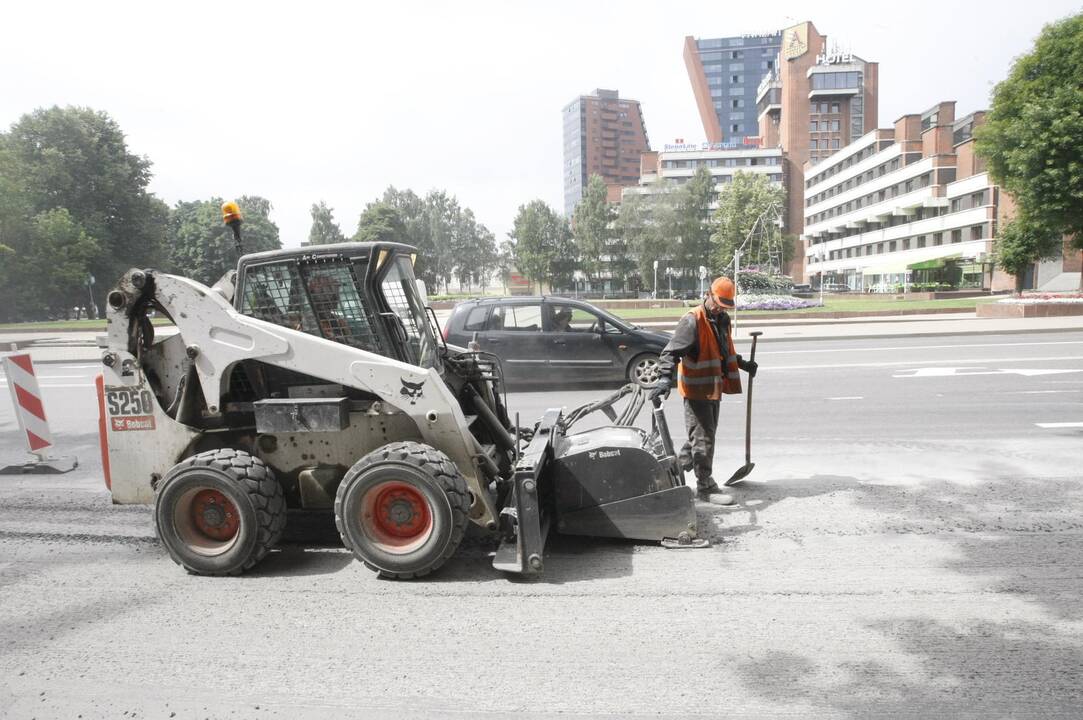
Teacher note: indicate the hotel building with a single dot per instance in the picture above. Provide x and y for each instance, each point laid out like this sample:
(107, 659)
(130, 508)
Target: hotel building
(902, 206)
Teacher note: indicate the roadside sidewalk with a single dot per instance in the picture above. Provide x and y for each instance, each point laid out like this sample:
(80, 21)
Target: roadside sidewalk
(80, 347)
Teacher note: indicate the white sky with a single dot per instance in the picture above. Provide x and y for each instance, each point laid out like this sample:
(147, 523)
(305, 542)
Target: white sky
(313, 101)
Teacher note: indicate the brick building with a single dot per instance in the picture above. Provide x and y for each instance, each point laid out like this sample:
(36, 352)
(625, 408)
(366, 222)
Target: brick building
(911, 205)
(603, 135)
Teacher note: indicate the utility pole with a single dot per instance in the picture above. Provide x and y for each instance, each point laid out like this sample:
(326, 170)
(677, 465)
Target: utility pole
(655, 294)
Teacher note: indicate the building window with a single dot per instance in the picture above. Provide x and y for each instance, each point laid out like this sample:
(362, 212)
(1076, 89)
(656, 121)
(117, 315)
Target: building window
(814, 108)
(834, 107)
(906, 244)
(835, 125)
(813, 126)
(921, 241)
(735, 79)
(737, 66)
(813, 144)
(737, 128)
(835, 144)
(737, 103)
(976, 232)
(938, 238)
(735, 54)
(891, 246)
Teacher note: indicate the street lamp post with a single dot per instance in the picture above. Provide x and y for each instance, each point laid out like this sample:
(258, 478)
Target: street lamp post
(655, 294)
(669, 274)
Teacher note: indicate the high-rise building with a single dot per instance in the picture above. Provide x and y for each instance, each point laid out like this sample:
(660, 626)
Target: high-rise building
(817, 100)
(603, 135)
(725, 74)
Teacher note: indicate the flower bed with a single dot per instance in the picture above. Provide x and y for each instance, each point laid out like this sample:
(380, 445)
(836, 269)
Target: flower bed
(749, 301)
(1043, 298)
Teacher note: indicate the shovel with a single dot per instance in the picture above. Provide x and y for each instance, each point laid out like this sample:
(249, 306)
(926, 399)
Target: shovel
(743, 471)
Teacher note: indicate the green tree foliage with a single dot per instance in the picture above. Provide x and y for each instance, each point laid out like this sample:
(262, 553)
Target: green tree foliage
(692, 224)
(450, 241)
(380, 222)
(505, 262)
(591, 226)
(1020, 243)
(324, 231)
(50, 268)
(642, 223)
(740, 203)
(544, 249)
(77, 159)
(202, 248)
(1033, 134)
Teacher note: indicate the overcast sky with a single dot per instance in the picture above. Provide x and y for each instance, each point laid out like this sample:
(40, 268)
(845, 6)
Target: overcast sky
(311, 101)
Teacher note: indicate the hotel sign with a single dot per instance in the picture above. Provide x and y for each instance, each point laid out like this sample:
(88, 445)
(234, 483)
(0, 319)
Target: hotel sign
(795, 41)
(834, 56)
(679, 146)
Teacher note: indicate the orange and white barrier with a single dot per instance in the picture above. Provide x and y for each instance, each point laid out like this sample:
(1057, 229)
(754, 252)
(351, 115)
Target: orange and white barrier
(30, 412)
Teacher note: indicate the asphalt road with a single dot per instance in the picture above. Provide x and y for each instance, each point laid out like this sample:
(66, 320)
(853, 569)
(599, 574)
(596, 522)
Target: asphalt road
(908, 545)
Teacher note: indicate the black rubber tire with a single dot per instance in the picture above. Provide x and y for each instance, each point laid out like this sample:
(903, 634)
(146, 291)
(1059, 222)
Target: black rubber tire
(252, 489)
(432, 475)
(635, 375)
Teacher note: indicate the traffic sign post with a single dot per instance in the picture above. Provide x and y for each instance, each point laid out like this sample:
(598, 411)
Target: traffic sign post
(30, 413)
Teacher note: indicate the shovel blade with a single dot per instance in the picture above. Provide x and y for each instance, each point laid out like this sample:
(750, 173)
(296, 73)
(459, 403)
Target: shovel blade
(741, 473)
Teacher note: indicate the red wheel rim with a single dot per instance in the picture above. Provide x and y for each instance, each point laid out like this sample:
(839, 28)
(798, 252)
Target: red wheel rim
(396, 516)
(214, 515)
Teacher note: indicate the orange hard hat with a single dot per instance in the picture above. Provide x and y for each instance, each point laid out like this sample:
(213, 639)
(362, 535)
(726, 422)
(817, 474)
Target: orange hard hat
(723, 291)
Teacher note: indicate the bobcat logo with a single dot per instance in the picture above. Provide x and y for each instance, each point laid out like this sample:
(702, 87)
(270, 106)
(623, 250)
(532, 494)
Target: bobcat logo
(414, 391)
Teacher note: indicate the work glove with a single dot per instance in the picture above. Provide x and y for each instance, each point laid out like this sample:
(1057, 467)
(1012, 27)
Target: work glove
(660, 391)
(749, 366)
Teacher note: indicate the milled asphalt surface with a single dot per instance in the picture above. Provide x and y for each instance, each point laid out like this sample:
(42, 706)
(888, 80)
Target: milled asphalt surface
(908, 545)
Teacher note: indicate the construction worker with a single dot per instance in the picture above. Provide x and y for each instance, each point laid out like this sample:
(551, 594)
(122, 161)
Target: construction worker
(703, 345)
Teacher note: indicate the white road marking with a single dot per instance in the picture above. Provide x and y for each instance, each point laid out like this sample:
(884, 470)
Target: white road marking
(961, 371)
(899, 363)
(1039, 392)
(848, 397)
(915, 347)
(1060, 425)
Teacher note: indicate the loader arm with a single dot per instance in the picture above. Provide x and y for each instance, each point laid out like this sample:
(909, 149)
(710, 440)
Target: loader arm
(216, 337)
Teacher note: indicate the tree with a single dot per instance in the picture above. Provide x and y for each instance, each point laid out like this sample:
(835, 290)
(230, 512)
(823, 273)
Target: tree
(473, 249)
(380, 223)
(1022, 242)
(641, 225)
(1034, 131)
(78, 159)
(544, 249)
(744, 200)
(50, 267)
(505, 262)
(201, 246)
(590, 224)
(691, 222)
(324, 231)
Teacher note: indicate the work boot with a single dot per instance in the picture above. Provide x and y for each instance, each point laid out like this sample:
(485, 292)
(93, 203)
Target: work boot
(709, 491)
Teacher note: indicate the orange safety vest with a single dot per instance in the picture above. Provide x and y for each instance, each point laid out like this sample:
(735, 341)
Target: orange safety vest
(700, 377)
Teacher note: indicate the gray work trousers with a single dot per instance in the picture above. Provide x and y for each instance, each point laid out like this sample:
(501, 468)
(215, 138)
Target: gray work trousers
(701, 420)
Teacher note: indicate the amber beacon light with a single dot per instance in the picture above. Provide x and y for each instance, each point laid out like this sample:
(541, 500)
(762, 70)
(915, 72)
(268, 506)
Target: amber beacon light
(231, 216)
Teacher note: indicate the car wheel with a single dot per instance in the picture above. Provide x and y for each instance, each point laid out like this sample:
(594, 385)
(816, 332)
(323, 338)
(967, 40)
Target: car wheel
(643, 370)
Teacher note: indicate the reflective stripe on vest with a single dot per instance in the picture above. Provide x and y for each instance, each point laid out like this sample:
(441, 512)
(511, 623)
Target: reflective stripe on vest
(700, 377)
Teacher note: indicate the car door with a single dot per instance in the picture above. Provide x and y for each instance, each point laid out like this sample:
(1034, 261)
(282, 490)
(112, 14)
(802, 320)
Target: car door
(514, 334)
(581, 350)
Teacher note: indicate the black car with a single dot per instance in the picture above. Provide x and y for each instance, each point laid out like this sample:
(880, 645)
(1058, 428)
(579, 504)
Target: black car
(548, 340)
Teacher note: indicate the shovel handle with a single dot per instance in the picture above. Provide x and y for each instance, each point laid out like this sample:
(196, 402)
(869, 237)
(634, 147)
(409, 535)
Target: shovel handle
(748, 401)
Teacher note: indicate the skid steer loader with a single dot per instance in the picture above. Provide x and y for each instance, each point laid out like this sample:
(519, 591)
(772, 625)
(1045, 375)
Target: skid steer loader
(313, 379)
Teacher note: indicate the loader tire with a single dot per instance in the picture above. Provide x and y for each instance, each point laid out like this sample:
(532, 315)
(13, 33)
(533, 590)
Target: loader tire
(219, 512)
(402, 509)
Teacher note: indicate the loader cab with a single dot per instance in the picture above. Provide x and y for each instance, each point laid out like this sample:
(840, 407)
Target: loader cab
(358, 294)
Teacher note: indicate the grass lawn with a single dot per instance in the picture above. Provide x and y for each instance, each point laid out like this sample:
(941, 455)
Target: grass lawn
(88, 325)
(832, 303)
